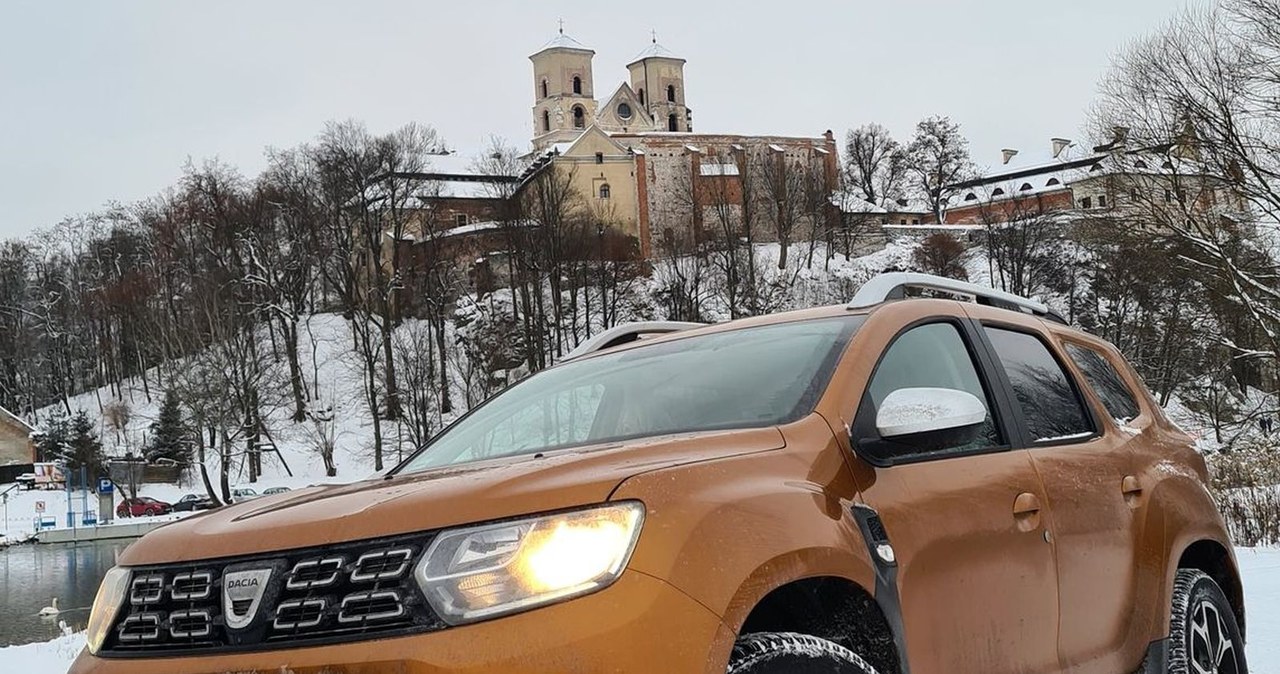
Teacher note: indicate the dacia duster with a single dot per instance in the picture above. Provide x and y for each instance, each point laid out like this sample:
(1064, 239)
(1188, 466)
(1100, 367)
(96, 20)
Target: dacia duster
(897, 485)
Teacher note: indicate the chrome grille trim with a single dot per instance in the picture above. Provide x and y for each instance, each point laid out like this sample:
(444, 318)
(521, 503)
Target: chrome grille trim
(319, 605)
(204, 578)
(203, 616)
(361, 576)
(334, 565)
(370, 597)
(149, 622)
(146, 589)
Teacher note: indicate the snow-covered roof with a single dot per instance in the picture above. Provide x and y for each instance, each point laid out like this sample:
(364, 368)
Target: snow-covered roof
(17, 420)
(562, 41)
(718, 169)
(655, 51)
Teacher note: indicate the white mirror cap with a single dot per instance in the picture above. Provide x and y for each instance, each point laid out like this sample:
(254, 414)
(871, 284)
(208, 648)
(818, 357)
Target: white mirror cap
(907, 411)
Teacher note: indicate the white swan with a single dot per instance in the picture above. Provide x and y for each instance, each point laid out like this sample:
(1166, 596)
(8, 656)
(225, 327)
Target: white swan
(64, 628)
(50, 610)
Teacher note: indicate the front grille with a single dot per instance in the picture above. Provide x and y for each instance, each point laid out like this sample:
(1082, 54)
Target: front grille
(344, 592)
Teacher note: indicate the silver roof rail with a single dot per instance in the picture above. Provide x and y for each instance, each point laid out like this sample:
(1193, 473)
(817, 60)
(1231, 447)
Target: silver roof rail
(893, 286)
(626, 333)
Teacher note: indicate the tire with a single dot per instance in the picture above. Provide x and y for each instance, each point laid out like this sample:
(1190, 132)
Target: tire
(149, 512)
(1202, 628)
(788, 653)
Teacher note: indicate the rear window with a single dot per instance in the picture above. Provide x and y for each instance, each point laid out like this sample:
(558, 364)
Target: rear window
(1049, 403)
(752, 377)
(1106, 382)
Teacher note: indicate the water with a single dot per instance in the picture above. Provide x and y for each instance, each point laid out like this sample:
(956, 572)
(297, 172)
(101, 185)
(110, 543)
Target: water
(32, 575)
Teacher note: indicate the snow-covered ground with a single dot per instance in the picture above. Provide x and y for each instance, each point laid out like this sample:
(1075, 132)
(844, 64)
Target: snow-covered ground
(1261, 569)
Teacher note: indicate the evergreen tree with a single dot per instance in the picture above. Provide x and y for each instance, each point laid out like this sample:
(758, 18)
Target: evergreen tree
(83, 448)
(169, 432)
(51, 444)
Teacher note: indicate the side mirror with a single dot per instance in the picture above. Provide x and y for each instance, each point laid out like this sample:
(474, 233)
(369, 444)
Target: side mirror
(911, 411)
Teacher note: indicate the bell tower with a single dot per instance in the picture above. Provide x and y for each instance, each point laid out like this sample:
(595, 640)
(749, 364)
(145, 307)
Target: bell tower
(564, 90)
(657, 76)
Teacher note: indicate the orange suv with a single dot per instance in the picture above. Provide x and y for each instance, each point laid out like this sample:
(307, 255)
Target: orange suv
(924, 485)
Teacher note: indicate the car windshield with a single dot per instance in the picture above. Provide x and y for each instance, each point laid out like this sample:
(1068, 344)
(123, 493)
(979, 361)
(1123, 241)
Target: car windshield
(752, 377)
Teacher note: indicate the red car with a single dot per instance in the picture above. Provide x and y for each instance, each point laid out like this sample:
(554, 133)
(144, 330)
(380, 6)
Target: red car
(142, 506)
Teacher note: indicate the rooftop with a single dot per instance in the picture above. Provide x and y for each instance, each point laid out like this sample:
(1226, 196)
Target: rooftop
(562, 41)
(655, 51)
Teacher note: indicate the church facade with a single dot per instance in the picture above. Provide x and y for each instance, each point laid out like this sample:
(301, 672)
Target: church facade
(637, 162)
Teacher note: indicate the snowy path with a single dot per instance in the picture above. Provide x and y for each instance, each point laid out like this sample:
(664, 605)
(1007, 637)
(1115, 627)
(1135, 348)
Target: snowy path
(1261, 569)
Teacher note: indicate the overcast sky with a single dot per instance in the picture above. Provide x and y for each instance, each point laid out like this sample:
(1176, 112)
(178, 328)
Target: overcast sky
(104, 101)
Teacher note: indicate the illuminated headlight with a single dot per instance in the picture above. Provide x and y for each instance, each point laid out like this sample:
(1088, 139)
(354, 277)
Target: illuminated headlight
(107, 603)
(480, 572)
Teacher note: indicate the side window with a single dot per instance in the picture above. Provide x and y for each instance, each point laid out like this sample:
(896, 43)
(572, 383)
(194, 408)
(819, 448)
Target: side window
(1049, 402)
(1106, 382)
(931, 356)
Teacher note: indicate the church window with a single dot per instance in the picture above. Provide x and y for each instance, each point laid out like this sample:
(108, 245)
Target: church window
(671, 93)
(673, 123)
(624, 111)
(546, 120)
(544, 88)
(641, 95)
(604, 191)
(579, 117)
(577, 84)
(599, 157)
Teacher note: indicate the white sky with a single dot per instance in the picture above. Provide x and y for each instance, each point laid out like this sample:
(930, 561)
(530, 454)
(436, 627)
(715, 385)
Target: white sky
(104, 101)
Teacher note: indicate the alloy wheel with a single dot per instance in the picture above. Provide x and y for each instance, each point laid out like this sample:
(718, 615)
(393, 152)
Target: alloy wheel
(1211, 648)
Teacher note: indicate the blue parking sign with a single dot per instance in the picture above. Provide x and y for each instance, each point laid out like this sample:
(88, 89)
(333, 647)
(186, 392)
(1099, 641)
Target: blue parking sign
(105, 486)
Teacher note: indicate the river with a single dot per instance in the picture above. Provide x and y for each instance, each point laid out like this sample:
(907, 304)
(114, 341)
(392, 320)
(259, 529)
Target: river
(32, 575)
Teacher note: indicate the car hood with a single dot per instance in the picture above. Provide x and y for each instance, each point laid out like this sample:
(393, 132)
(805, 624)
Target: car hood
(433, 499)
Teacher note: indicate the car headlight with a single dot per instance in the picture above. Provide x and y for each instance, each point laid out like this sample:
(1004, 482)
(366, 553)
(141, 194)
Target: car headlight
(107, 603)
(479, 572)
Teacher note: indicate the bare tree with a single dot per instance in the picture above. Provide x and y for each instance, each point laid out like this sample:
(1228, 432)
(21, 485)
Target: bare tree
(875, 165)
(938, 156)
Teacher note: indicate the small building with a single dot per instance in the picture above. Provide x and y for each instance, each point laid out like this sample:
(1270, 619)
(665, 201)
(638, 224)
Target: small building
(17, 447)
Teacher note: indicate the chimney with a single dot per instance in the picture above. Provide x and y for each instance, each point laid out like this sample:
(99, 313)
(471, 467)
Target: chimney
(1059, 145)
(1008, 154)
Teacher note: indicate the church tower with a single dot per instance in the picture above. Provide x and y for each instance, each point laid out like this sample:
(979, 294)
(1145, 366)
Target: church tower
(564, 92)
(657, 76)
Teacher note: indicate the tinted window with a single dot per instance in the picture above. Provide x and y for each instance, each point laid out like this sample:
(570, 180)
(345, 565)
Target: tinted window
(1049, 402)
(1106, 382)
(752, 377)
(933, 356)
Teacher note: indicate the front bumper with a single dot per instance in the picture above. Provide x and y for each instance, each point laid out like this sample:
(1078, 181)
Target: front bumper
(640, 625)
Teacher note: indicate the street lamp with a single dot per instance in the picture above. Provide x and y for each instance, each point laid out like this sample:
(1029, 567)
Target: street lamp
(604, 307)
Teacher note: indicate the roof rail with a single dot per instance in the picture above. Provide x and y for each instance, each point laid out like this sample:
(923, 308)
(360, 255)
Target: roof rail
(893, 286)
(627, 333)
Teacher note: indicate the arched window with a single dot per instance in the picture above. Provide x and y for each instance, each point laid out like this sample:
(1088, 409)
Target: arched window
(579, 117)
(1026, 187)
(624, 111)
(544, 88)
(1052, 182)
(604, 191)
(971, 197)
(546, 120)
(641, 95)
(673, 123)
(671, 93)
(577, 84)
(997, 191)
(1139, 164)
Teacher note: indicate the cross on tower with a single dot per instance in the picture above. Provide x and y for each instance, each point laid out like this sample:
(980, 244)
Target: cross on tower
(562, 26)
(655, 36)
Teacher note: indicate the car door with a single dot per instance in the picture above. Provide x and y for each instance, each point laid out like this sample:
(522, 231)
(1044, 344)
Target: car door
(974, 569)
(1083, 463)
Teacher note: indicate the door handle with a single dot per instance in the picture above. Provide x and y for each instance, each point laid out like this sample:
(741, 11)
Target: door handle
(1131, 489)
(1026, 511)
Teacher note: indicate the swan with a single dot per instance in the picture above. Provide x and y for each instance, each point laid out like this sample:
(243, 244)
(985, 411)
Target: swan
(51, 610)
(64, 628)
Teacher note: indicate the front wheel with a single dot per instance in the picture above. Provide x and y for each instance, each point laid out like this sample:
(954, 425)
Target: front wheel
(1203, 635)
(788, 653)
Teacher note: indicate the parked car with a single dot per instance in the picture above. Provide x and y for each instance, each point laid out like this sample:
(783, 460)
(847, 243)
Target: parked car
(27, 481)
(272, 491)
(143, 506)
(193, 502)
(243, 494)
(889, 485)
